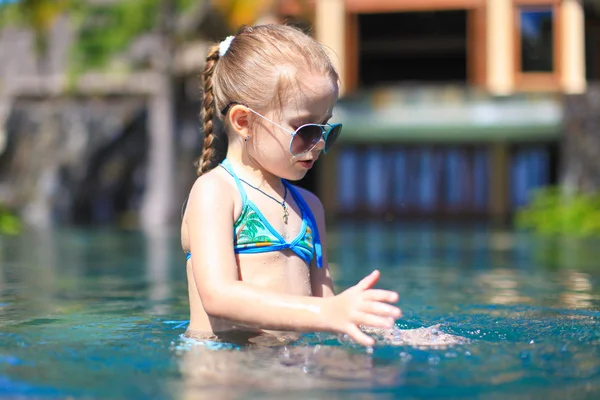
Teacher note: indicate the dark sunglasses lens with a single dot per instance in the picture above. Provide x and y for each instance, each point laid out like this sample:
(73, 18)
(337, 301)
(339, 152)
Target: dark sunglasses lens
(305, 139)
(334, 133)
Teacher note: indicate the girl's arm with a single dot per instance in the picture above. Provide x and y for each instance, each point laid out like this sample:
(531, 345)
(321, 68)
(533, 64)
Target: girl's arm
(320, 278)
(210, 226)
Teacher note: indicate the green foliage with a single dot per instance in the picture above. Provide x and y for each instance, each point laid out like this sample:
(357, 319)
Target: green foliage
(10, 14)
(551, 212)
(104, 31)
(10, 224)
(107, 30)
(37, 15)
(185, 5)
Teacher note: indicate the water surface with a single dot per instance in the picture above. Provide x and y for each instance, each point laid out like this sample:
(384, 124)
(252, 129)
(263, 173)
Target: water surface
(99, 314)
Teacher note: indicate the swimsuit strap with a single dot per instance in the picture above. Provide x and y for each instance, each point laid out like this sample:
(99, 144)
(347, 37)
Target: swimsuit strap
(307, 213)
(226, 165)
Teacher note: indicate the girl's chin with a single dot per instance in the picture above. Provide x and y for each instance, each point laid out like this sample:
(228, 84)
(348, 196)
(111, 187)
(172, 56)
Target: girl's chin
(296, 175)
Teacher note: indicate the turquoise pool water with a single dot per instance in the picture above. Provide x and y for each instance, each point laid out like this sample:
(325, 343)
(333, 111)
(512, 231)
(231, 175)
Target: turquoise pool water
(99, 315)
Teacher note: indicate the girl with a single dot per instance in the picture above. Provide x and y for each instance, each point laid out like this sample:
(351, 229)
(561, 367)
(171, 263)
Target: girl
(255, 244)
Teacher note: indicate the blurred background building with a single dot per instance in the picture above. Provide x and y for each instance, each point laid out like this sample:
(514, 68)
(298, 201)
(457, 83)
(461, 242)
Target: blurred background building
(451, 108)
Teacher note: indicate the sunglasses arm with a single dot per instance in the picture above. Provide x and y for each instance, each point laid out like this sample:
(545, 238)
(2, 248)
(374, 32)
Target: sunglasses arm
(273, 122)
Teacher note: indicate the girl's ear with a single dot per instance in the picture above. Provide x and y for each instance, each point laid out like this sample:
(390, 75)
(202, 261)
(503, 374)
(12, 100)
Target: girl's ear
(239, 119)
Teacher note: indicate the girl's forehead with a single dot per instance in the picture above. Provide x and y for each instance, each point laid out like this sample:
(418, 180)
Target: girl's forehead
(315, 97)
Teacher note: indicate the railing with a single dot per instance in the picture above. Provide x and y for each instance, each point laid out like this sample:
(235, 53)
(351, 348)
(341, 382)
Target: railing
(448, 113)
(442, 151)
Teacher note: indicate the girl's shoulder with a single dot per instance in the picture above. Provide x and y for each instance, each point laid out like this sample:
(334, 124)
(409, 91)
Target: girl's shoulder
(211, 201)
(214, 188)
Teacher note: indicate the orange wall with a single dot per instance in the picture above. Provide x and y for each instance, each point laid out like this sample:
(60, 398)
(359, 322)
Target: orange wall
(377, 6)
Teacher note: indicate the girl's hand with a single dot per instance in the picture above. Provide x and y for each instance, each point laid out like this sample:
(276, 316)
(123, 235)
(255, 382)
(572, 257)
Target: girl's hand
(363, 305)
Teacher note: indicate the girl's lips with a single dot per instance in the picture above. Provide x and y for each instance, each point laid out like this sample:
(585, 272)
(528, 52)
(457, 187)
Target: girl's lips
(307, 163)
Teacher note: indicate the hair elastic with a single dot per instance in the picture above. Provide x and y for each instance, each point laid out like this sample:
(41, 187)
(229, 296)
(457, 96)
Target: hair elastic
(224, 45)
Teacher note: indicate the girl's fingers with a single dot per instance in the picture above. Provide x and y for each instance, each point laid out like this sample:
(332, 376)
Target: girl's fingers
(381, 295)
(381, 309)
(375, 321)
(359, 336)
(369, 281)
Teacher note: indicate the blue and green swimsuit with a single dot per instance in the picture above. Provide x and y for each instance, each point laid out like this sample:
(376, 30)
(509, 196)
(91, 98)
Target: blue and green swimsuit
(254, 234)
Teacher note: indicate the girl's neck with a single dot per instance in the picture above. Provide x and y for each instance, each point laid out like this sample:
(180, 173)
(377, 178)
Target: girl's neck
(250, 171)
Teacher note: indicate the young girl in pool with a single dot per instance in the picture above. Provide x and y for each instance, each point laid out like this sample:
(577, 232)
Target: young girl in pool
(255, 243)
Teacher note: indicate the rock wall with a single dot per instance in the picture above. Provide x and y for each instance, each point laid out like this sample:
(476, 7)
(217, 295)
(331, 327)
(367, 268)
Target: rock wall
(74, 160)
(107, 150)
(581, 142)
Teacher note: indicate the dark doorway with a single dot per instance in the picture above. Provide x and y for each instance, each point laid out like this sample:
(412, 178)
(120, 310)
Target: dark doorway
(592, 43)
(412, 46)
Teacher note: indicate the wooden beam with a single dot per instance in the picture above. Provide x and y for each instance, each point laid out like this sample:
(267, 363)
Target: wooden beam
(90, 84)
(499, 182)
(383, 6)
(536, 2)
(330, 29)
(499, 47)
(571, 44)
(352, 65)
(477, 46)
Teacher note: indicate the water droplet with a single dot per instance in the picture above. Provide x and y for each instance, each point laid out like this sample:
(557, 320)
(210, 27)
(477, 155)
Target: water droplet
(434, 360)
(532, 342)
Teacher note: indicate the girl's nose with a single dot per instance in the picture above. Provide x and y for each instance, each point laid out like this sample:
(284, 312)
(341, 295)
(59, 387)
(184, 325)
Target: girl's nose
(320, 144)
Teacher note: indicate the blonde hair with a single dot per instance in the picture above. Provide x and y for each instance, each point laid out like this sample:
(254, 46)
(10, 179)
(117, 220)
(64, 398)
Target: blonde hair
(258, 69)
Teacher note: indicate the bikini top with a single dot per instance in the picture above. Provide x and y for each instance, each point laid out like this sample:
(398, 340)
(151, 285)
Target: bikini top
(254, 234)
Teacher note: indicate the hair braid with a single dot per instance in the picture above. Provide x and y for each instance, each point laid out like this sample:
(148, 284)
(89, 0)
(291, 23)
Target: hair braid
(212, 150)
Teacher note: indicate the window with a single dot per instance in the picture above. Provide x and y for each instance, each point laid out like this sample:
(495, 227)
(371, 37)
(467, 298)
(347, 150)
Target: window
(536, 45)
(537, 40)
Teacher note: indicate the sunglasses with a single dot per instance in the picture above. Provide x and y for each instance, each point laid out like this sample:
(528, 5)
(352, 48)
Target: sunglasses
(306, 137)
